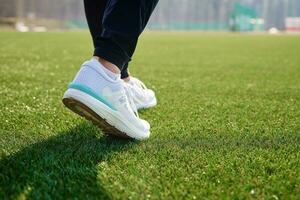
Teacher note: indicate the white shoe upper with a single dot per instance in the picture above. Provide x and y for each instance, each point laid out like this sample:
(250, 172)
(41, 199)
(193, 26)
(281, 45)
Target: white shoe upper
(93, 75)
(140, 94)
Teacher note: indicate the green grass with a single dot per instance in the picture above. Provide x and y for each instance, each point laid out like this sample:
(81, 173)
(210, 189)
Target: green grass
(227, 125)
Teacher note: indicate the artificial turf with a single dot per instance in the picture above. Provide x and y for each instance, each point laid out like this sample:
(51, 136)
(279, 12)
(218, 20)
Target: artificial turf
(227, 125)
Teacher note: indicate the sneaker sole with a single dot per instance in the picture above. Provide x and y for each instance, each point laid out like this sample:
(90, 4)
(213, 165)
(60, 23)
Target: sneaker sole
(84, 111)
(84, 105)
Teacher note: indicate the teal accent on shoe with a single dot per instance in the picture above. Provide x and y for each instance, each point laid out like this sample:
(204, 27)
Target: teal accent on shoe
(91, 92)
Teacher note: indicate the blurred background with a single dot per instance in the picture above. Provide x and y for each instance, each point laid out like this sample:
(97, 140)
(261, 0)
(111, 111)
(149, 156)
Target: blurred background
(273, 16)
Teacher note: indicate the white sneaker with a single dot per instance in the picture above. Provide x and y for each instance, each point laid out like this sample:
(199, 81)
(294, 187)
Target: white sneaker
(103, 100)
(142, 96)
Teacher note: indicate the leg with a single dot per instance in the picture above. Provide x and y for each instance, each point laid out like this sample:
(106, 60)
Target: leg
(148, 11)
(123, 22)
(94, 11)
(97, 92)
(110, 13)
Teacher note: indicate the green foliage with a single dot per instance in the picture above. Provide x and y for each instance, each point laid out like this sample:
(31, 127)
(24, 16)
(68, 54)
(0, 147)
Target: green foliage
(226, 127)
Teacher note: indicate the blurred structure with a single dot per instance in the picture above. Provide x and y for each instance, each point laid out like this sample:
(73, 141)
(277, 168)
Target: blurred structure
(235, 15)
(292, 24)
(244, 18)
(35, 14)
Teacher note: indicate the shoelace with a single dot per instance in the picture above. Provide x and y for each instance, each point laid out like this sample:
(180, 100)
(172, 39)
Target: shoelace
(139, 83)
(129, 95)
(138, 87)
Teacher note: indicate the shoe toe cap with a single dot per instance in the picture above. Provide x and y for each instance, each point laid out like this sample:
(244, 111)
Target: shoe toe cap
(151, 93)
(146, 125)
(146, 130)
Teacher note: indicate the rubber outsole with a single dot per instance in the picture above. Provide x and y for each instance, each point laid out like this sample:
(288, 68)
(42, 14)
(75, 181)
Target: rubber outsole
(84, 111)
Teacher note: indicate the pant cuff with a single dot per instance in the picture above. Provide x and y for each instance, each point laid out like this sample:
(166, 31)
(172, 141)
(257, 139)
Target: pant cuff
(108, 50)
(124, 73)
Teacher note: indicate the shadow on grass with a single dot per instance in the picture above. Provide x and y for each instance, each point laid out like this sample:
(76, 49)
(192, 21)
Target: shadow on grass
(64, 166)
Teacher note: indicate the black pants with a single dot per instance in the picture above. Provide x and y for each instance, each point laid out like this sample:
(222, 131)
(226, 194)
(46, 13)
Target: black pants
(115, 26)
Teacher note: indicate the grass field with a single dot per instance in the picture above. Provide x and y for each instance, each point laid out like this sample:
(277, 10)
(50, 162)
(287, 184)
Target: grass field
(227, 125)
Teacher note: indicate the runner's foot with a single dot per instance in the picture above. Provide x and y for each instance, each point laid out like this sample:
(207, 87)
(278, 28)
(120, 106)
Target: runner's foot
(102, 99)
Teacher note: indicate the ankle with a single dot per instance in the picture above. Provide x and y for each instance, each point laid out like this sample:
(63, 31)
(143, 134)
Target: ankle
(108, 65)
(127, 79)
